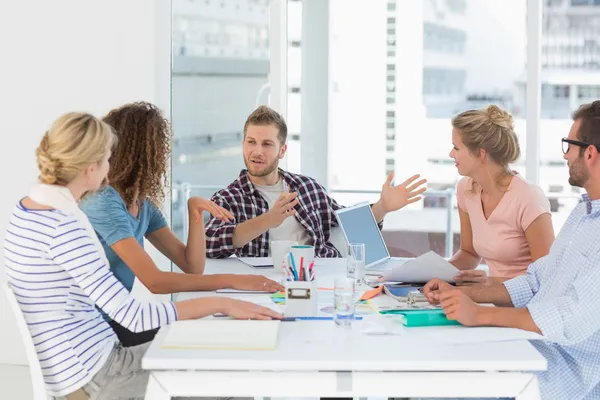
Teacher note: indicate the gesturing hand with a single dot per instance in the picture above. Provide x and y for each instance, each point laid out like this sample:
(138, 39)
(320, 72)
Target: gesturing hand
(196, 205)
(395, 197)
(282, 209)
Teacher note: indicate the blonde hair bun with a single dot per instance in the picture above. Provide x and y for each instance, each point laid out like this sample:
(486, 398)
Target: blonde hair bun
(491, 129)
(73, 142)
(500, 117)
(49, 168)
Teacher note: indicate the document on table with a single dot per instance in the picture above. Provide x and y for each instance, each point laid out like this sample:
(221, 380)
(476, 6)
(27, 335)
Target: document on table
(422, 269)
(239, 291)
(217, 334)
(257, 262)
(456, 335)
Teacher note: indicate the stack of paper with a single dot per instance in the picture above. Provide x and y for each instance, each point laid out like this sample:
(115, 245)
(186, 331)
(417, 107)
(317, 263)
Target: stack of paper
(215, 334)
(422, 269)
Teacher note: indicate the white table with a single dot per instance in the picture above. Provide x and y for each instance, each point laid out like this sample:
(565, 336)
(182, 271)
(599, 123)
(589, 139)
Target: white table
(316, 358)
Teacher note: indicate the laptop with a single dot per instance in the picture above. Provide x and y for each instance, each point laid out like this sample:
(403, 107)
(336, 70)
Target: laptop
(359, 226)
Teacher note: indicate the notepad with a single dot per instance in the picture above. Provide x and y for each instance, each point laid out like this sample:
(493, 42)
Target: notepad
(240, 291)
(214, 334)
(257, 262)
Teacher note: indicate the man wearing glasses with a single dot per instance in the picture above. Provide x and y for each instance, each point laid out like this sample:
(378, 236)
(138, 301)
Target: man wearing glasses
(558, 297)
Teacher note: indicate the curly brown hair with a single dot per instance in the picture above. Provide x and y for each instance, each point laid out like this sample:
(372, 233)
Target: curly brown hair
(139, 162)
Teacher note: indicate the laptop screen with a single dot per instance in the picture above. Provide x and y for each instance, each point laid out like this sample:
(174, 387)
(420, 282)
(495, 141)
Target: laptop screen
(359, 226)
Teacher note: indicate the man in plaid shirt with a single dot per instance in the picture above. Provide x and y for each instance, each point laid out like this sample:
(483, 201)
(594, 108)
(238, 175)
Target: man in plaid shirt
(271, 204)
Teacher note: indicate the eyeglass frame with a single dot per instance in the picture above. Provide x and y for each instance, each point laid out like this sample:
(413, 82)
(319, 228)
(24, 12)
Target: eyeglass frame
(570, 142)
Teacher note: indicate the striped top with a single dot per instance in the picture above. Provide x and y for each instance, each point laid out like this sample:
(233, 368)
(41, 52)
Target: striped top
(55, 271)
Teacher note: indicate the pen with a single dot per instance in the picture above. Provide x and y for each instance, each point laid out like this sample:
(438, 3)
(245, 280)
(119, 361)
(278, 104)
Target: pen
(293, 266)
(286, 319)
(291, 319)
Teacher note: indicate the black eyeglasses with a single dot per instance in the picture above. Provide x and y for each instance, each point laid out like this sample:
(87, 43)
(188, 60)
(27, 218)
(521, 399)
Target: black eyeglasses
(566, 143)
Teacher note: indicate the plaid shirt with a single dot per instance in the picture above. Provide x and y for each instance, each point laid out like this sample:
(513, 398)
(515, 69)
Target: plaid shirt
(315, 212)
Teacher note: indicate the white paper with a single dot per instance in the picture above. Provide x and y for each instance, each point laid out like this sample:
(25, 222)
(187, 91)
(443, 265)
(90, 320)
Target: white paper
(381, 325)
(422, 269)
(264, 262)
(217, 334)
(236, 291)
(457, 335)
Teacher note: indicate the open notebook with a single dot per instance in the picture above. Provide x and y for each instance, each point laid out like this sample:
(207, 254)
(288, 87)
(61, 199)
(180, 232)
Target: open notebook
(214, 334)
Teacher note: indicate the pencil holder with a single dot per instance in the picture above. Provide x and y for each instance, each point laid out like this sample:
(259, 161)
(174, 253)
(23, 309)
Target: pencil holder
(300, 299)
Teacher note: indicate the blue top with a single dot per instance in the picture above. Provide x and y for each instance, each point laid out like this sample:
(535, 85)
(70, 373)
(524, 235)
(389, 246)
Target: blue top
(112, 222)
(560, 291)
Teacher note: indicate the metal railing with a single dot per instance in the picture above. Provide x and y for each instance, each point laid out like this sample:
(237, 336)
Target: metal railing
(184, 192)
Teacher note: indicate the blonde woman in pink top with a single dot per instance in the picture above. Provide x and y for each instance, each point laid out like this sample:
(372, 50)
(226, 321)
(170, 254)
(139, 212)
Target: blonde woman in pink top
(503, 219)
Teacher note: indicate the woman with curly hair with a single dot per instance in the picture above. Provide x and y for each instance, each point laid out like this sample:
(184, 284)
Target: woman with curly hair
(128, 210)
(56, 267)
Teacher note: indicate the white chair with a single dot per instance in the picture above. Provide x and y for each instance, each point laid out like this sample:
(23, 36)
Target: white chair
(35, 369)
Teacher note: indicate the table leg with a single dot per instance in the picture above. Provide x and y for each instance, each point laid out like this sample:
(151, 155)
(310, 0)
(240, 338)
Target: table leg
(531, 391)
(155, 391)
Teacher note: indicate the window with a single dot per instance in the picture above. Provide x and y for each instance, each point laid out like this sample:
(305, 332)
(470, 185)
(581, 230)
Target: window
(561, 91)
(445, 39)
(220, 69)
(417, 69)
(582, 2)
(570, 50)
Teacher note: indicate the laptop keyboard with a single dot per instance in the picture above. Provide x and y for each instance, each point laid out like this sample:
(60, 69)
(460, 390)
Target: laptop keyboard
(384, 266)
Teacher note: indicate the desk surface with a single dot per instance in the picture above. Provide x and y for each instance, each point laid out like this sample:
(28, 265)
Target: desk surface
(325, 269)
(321, 345)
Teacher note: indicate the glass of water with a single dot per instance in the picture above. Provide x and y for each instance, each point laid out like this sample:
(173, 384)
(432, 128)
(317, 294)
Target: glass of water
(343, 301)
(356, 262)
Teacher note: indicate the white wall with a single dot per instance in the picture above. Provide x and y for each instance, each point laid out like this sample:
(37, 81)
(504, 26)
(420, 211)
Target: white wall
(66, 55)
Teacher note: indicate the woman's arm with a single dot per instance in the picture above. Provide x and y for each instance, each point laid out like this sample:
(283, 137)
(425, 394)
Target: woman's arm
(466, 258)
(80, 258)
(164, 282)
(190, 258)
(540, 236)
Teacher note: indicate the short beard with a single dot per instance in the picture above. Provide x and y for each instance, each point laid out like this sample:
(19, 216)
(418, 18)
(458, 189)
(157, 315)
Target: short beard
(268, 170)
(577, 174)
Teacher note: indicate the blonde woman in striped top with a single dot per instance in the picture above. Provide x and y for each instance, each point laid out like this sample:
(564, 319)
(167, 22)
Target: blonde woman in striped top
(59, 273)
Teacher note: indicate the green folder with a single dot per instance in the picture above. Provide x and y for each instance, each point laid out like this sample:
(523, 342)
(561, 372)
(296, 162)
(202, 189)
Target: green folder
(429, 317)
